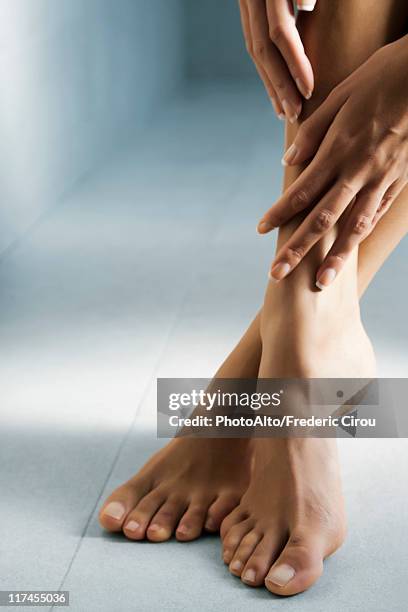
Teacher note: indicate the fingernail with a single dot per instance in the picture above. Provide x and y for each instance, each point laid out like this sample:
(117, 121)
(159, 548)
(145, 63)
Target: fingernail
(132, 526)
(306, 93)
(236, 566)
(306, 6)
(249, 576)
(264, 227)
(282, 116)
(115, 510)
(281, 574)
(326, 278)
(275, 106)
(279, 271)
(290, 114)
(183, 529)
(290, 155)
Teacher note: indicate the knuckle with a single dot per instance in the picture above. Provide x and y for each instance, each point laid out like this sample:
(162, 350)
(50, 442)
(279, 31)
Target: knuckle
(279, 83)
(164, 514)
(298, 539)
(259, 49)
(361, 224)
(195, 511)
(304, 133)
(340, 257)
(299, 200)
(276, 32)
(250, 539)
(374, 160)
(385, 203)
(346, 188)
(296, 253)
(324, 221)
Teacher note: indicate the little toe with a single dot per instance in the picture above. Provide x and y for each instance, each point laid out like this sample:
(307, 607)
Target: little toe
(138, 520)
(233, 539)
(244, 551)
(192, 522)
(298, 567)
(163, 523)
(219, 509)
(118, 505)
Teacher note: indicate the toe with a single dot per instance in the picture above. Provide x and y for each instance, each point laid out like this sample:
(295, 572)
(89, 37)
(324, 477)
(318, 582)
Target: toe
(163, 523)
(261, 559)
(118, 505)
(298, 567)
(137, 521)
(236, 516)
(219, 509)
(192, 522)
(244, 551)
(233, 539)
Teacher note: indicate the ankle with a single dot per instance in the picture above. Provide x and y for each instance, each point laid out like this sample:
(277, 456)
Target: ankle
(306, 313)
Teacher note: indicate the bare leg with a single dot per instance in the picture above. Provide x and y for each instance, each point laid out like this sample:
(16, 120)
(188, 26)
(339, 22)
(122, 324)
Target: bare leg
(292, 515)
(183, 500)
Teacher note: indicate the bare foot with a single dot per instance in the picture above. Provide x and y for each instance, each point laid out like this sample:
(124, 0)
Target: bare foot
(292, 515)
(188, 485)
(192, 483)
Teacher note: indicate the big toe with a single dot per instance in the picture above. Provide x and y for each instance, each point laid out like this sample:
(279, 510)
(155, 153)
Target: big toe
(298, 567)
(118, 505)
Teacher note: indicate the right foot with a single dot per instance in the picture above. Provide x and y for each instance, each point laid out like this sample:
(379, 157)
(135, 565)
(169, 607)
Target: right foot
(189, 485)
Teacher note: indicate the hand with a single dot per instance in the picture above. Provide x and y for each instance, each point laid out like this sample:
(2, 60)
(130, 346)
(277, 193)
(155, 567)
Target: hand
(275, 46)
(359, 140)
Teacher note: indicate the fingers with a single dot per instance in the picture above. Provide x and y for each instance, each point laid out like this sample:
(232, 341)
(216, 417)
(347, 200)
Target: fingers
(301, 195)
(284, 34)
(269, 61)
(320, 220)
(265, 79)
(371, 204)
(313, 130)
(388, 198)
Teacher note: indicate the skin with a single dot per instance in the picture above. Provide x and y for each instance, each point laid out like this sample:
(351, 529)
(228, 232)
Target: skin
(359, 165)
(285, 526)
(274, 43)
(291, 504)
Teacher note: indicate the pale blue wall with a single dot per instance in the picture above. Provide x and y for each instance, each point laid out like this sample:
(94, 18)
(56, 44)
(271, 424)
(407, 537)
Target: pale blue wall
(214, 42)
(76, 76)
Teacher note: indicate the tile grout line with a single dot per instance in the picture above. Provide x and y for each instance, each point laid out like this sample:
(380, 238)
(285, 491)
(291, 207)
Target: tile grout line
(127, 435)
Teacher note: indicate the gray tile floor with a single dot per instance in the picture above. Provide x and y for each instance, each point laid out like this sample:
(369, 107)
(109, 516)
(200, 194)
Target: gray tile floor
(152, 267)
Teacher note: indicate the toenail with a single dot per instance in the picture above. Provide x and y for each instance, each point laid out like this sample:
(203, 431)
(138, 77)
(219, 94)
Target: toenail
(115, 510)
(227, 556)
(249, 576)
(183, 529)
(281, 574)
(236, 566)
(209, 524)
(132, 526)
